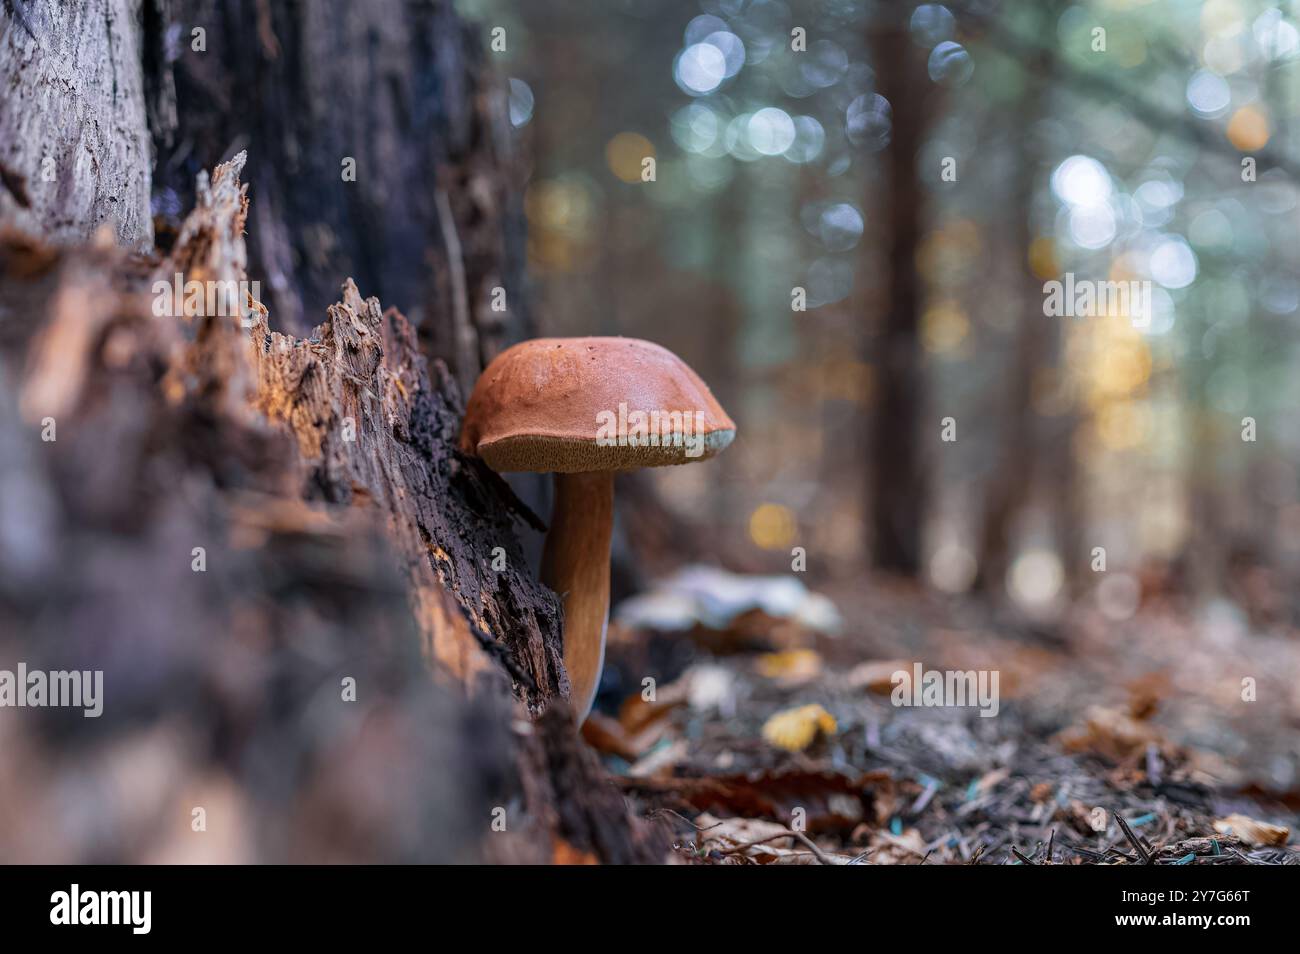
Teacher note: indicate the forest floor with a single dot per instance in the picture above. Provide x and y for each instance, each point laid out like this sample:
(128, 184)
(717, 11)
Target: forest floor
(768, 740)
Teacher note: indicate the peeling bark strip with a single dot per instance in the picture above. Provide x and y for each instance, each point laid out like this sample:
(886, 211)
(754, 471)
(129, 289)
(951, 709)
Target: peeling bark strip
(75, 148)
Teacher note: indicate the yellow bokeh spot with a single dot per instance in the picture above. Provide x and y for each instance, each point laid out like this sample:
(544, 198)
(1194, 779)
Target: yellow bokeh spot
(772, 526)
(1042, 258)
(559, 206)
(1110, 359)
(560, 215)
(1248, 129)
(1124, 370)
(626, 152)
(552, 252)
(944, 327)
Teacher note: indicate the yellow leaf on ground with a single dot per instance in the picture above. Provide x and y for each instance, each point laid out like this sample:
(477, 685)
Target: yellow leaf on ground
(795, 729)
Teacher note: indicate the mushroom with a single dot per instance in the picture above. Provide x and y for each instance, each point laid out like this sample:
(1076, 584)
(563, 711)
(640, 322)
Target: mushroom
(584, 408)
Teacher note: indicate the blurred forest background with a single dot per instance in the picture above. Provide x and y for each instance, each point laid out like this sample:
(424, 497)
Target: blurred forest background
(1113, 156)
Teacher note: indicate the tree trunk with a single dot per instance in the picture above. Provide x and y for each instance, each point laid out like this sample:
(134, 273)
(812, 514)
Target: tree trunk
(378, 148)
(1017, 468)
(74, 145)
(257, 536)
(897, 484)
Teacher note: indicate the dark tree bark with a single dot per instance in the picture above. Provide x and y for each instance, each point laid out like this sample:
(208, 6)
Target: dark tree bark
(341, 535)
(895, 467)
(397, 90)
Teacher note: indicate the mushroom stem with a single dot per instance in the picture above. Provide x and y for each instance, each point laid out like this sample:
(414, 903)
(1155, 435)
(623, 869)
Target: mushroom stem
(575, 563)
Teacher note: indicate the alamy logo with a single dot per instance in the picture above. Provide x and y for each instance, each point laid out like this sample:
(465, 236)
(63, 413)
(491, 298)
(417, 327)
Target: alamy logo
(210, 299)
(933, 688)
(651, 429)
(59, 688)
(1083, 298)
(133, 908)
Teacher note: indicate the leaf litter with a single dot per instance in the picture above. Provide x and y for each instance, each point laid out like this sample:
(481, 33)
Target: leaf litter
(774, 739)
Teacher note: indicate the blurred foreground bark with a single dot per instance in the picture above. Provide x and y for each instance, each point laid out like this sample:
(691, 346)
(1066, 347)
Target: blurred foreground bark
(240, 528)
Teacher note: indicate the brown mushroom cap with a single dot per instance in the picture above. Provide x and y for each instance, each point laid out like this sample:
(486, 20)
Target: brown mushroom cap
(539, 406)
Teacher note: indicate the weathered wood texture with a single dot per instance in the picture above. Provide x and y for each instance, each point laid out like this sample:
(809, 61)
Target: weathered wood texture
(401, 89)
(371, 431)
(75, 148)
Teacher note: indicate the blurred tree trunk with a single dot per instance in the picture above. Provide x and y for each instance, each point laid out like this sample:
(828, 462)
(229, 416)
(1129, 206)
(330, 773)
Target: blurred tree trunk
(341, 533)
(1205, 553)
(1066, 492)
(1020, 463)
(897, 487)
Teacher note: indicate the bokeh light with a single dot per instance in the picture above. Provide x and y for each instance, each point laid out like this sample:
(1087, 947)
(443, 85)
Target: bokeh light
(1172, 262)
(772, 526)
(931, 24)
(626, 153)
(771, 131)
(1081, 181)
(950, 64)
(1208, 93)
(520, 102)
(1248, 129)
(868, 121)
(700, 69)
